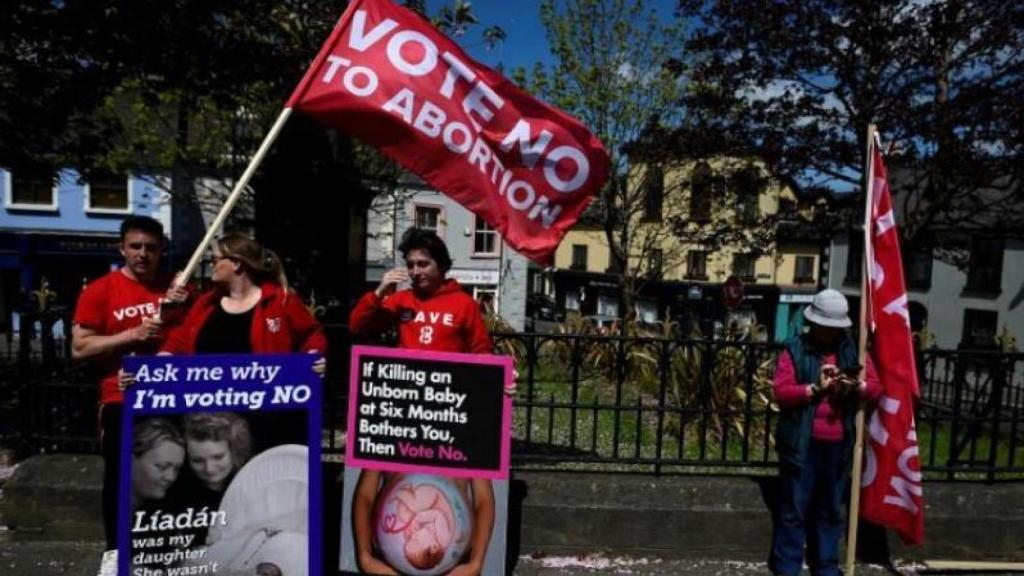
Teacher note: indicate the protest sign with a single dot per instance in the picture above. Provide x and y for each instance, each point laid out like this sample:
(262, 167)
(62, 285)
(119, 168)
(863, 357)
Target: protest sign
(426, 464)
(220, 466)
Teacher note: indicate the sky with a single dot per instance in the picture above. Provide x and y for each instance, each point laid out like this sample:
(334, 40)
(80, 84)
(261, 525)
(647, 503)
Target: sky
(525, 41)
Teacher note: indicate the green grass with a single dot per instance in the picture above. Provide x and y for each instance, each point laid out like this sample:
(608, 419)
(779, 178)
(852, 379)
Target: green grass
(935, 445)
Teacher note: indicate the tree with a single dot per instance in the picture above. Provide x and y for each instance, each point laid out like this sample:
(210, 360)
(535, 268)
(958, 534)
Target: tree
(797, 82)
(182, 87)
(186, 89)
(609, 72)
(618, 67)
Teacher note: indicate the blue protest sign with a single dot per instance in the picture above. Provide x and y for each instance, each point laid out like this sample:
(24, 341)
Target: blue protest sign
(220, 466)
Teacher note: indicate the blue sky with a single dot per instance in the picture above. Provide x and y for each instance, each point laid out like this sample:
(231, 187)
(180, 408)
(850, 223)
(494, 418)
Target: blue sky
(525, 41)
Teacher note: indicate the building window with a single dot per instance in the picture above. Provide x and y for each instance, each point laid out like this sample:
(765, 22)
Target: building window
(803, 272)
(647, 311)
(743, 266)
(607, 305)
(748, 185)
(918, 264)
(572, 301)
(579, 257)
(655, 262)
(28, 188)
(985, 268)
(654, 193)
(428, 218)
(855, 257)
(485, 239)
(701, 192)
(979, 328)
(696, 265)
(487, 298)
(107, 193)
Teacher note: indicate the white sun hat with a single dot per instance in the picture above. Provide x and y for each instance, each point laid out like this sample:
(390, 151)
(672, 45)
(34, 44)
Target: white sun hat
(829, 308)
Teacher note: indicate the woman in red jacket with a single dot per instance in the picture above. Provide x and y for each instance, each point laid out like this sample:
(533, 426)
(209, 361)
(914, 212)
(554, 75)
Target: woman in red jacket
(249, 310)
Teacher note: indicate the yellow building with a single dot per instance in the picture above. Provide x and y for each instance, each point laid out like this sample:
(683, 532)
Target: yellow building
(693, 225)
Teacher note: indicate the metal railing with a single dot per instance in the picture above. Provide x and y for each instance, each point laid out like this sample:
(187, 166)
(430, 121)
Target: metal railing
(622, 403)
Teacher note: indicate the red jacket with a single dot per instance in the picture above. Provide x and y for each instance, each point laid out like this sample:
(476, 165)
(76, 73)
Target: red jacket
(448, 320)
(281, 324)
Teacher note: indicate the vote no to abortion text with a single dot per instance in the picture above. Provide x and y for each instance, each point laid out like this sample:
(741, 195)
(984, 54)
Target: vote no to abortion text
(427, 412)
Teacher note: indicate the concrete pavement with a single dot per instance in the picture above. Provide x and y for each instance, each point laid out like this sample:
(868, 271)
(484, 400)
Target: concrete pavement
(21, 557)
(26, 556)
(562, 523)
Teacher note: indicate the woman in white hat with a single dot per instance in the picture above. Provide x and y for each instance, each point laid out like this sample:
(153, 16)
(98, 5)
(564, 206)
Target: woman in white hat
(816, 387)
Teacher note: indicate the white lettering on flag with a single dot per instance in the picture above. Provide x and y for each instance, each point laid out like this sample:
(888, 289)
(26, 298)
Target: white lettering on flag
(360, 40)
(877, 191)
(530, 151)
(878, 433)
(903, 491)
(898, 307)
(884, 223)
(910, 481)
(877, 275)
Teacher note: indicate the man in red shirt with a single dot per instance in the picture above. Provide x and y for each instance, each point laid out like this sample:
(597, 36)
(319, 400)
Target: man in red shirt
(119, 314)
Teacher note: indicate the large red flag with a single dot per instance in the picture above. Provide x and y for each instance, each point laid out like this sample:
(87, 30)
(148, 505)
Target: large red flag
(891, 486)
(387, 76)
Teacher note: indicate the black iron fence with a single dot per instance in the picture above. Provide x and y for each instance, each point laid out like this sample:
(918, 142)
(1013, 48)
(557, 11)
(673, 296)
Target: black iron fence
(621, 403)
(970, 421)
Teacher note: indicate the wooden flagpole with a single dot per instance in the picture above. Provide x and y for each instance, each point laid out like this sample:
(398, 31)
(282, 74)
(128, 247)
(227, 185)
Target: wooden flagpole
(268, 140)
(862, 350)
(236, 193)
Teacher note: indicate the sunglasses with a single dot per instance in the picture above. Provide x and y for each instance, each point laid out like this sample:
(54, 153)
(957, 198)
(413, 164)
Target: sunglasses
(214, 259)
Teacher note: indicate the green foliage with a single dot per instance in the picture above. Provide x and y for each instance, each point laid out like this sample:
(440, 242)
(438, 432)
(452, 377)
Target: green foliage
(797, 82)
(187, 87)
(620, 67)
(613, 71)
(610, 67)
(694, 381)
(504, 346)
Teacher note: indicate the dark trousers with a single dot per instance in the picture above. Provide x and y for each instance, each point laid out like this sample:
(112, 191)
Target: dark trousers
(110, 445)
(810, 513)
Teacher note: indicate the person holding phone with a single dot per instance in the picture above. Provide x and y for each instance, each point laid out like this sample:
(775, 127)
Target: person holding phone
(817, 386)
(117, 315)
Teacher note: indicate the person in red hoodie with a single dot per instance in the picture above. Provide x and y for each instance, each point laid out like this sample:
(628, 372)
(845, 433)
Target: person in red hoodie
(249, 310)
(434, 314)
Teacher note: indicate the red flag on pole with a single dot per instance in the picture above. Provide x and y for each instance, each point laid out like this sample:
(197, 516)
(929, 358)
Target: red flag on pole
(891, 486)
(388, 77)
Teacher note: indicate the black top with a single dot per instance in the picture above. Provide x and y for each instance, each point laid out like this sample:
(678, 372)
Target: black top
(225, 333)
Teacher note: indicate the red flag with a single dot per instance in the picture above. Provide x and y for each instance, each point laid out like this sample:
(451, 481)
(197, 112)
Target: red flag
(891, 486)
(388, 77)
